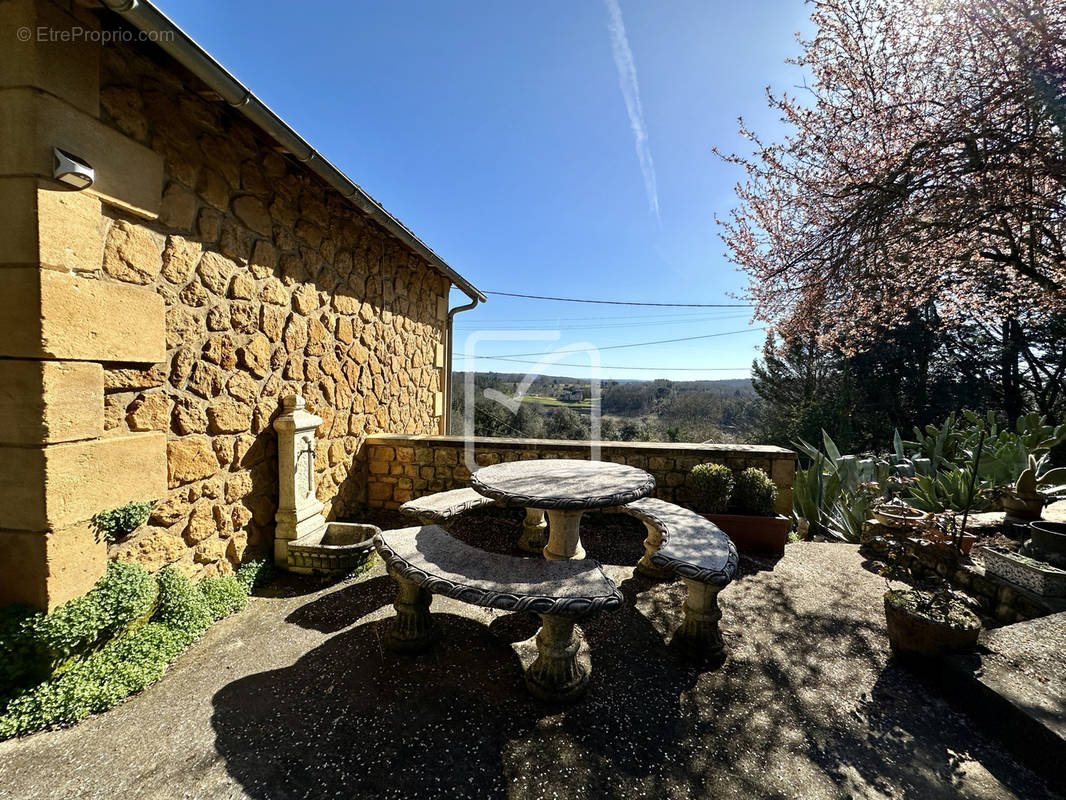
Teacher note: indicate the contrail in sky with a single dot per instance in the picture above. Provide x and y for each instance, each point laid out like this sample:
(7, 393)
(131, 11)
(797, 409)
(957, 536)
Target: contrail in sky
(627, 81)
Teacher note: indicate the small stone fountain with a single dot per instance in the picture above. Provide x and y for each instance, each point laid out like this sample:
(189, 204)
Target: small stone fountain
(304, 542)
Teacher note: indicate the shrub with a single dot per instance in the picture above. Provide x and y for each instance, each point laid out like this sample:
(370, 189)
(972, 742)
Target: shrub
(754, 493)
(118, 523)
(126, 659)
(223, 595)
(182, 606)
(125, 595)
(713, 484)
(252, 573)
(21, 663)
(122, 666)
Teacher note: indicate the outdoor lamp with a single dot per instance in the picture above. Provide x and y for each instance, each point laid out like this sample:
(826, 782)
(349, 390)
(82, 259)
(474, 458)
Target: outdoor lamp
(71, 170)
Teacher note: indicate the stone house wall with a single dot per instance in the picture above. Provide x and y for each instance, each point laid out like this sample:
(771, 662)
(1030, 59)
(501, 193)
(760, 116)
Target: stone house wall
(153, 322)
(400, 468)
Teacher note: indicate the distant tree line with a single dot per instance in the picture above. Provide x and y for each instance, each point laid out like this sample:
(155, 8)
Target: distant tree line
(661, 410)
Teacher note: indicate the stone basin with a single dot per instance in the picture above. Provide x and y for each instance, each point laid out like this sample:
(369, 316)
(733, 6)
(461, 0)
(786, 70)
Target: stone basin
(336, 550)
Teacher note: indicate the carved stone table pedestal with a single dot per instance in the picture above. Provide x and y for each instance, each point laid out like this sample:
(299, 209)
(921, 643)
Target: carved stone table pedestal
(556, 675)
(414, 629)
(534, 531)
(564, 536)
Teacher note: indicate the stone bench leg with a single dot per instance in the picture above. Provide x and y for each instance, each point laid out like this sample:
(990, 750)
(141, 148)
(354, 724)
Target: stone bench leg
(698, 636)
(414, 628)
(652, 544)
(556, 675)
(534, 532)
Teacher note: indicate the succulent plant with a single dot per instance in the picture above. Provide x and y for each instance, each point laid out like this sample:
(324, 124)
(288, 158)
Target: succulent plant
(1031, 481)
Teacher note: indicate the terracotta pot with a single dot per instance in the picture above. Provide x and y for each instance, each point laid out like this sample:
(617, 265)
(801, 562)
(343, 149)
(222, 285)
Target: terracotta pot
(934, 535)
(895, 516)
(757, 536)
(911, 633)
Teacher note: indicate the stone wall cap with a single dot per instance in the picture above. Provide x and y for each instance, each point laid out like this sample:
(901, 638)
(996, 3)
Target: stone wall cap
(490, 443)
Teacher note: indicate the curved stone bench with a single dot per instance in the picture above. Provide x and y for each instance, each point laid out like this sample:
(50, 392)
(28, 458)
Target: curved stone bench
(436, 509)
(681, 542)
(427, 560)
(442, 506)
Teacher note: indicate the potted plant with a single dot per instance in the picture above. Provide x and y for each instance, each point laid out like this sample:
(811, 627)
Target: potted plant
(929, 622)
(752, 521)
(945, 529)
(713, 486)
(1048, 542)
(897, 514)
(1025, 499)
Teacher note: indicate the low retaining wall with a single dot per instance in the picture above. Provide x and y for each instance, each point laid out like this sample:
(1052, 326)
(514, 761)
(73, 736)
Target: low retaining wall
(998, 598)
(402, 467)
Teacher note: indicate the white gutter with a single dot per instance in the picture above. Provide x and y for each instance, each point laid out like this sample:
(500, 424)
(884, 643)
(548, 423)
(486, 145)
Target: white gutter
(181, 47)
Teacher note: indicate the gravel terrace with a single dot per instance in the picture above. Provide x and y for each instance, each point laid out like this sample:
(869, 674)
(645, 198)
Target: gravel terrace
(295, 697)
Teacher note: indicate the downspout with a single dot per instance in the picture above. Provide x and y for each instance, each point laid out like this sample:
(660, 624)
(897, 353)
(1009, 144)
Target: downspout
(448, 364)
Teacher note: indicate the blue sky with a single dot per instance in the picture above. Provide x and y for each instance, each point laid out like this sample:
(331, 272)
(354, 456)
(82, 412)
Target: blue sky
(505, 135)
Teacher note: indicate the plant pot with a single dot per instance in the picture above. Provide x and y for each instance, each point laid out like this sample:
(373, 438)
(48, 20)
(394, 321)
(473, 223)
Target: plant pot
(1048, 538)
(934, 535)
(913, 633)
(1037, 576)
(1027, 508)
(757, 536)
(896, 516)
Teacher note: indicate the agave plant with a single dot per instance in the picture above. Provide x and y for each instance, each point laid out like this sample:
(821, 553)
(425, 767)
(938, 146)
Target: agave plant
(830, 493)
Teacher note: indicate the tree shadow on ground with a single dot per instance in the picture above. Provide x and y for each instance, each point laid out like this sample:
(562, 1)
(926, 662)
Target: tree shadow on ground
(351, 719)
(807, 704)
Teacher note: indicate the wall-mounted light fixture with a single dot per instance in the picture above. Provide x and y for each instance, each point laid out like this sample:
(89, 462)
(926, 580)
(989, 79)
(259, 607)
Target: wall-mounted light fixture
(71, 170)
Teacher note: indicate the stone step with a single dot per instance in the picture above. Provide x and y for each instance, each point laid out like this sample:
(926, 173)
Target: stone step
(1014, 686)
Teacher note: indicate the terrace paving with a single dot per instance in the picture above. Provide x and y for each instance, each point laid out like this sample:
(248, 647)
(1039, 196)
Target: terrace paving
(296, 697)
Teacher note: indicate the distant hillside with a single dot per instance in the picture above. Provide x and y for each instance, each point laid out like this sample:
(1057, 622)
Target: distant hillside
(558, 406)
(728, 385)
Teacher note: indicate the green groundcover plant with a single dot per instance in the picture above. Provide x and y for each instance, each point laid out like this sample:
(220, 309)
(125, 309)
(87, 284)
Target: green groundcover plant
(118, 523)
(94, 651)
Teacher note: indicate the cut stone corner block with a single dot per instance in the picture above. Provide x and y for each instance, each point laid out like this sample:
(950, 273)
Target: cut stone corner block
(47, 569)
(698, 636)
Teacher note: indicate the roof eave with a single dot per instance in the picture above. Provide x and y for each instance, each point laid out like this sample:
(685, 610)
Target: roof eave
(183, 49)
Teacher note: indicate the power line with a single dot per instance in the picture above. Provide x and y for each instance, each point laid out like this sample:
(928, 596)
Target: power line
(635, 344)
(564, 325)
(621, 302)
(621, 314)
(605, 366)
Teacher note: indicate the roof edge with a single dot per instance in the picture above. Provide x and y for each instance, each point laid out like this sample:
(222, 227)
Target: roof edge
(183, 49)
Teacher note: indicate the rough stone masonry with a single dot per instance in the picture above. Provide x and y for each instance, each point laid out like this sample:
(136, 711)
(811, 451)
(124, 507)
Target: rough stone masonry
(153, 322)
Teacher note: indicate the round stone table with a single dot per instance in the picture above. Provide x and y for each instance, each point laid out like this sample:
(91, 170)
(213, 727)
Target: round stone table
(564, 489)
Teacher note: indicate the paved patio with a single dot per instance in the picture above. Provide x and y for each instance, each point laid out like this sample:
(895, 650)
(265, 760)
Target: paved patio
(295, 697)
